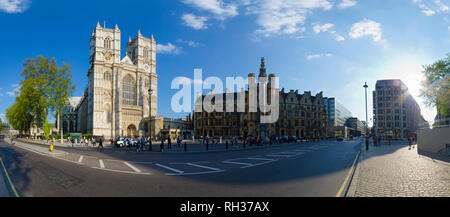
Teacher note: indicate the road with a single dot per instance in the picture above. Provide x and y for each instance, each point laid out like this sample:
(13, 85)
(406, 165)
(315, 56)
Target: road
(303, 169)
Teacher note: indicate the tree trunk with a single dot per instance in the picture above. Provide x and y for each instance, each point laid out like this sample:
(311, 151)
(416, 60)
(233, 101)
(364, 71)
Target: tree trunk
(59, 124)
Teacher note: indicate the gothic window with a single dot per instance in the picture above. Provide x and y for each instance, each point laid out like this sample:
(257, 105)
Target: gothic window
(146, 53)
(107, 76)
(108, 114)
(108, 43)
(129, 91)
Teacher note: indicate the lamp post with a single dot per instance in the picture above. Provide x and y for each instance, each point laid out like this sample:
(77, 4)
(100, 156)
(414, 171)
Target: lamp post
(365, 127)
(150, 92)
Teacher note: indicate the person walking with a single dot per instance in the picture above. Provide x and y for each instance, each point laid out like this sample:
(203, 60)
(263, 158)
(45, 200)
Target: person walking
(100, 143)
(161, 147)
(169, 143)
(409, 141)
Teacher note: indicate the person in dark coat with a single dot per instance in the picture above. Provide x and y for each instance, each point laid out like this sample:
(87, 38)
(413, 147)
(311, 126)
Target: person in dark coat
(100, 143)
(169, 143)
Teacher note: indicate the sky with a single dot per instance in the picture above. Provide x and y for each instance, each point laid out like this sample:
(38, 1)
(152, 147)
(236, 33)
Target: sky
(332, 46)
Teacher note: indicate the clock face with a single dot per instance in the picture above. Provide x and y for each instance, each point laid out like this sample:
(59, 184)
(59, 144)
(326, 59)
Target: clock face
(108, 57)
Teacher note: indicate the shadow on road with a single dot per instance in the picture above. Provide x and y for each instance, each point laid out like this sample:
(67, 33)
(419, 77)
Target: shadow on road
(13, 161)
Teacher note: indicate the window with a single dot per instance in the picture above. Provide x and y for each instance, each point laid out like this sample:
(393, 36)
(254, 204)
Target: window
(146, 53)
(107, 44)
(107, 76)
(129, 91)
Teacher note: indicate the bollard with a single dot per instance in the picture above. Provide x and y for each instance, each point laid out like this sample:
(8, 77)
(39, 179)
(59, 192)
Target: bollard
(367, 144)
(226, 145)
(185, 147)
(207, 146)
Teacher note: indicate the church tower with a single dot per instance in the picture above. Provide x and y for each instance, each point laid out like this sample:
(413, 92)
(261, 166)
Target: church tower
(104, 62)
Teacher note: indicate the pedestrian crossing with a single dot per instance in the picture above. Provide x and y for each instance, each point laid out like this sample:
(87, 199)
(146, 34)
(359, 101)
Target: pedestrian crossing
(186, 168)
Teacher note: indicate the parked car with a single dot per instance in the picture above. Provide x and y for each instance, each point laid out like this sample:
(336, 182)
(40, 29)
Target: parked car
(340, 138)
(120, 142)
(292, 139)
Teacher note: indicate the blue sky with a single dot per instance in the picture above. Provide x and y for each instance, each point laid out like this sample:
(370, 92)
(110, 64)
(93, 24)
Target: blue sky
(332, 46)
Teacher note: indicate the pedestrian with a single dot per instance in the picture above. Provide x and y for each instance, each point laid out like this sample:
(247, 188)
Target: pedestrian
(409, 141)
(161, 147)
(169, 143)
(72, 140)
(100, 143)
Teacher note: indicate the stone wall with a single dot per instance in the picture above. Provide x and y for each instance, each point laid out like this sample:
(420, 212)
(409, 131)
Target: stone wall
(433, 140)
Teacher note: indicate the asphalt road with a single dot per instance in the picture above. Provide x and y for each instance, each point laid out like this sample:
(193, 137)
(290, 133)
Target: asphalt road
(304, 169)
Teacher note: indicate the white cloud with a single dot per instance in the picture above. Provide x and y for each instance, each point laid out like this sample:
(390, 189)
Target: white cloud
(11, 93)
(218, 8)
(315, 56)
(431, 7)
(324, 28)
(14, 6)
(168, 49)
(189, 43)
(14, 85)
(366, 28)
(196, 22)
(347, 4)
(275, 17)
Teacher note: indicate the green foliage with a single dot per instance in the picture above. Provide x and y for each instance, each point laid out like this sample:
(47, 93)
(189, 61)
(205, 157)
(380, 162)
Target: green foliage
(86, 135)
(45, 88)
(46, 128)
(436, 86)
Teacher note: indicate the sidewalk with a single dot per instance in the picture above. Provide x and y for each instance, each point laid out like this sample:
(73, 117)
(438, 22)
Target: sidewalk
(38, 149)
(398, 171)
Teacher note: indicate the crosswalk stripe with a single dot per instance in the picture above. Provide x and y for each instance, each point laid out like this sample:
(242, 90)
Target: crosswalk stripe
(257, 158)
(232, 162)
(169, 168)
(132, 167)
(204, 167)
(102, 165)
(81, 159)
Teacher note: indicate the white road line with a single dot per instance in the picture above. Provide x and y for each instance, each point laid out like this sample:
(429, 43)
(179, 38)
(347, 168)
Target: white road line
(81, 159)
(254, 165)
(120, 171)
(232, 162)
(102, 165)
(278, 155)
(169, 168)
(197, 173)
(265, 159)
(132, 167)
(204, 167)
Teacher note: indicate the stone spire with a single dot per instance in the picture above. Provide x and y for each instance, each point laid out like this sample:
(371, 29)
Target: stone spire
(262, 69)
(139, 33)
(98, 26)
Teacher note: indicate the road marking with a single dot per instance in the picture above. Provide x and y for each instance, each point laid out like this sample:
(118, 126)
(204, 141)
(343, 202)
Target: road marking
(204, 167)
(257, 158)
(348, 176)
(81, 159)
(169, 168)
(132, 167)
(9, 180)
(196, 173)
(102, 165)
(232, 162)
(278, 155)
(258, 164)
(121, 171)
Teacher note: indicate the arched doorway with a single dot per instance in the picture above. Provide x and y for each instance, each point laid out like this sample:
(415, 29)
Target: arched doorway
(131, 131)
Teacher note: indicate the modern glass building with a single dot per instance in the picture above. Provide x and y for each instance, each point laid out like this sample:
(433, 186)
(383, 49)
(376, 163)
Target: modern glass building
(337, 113)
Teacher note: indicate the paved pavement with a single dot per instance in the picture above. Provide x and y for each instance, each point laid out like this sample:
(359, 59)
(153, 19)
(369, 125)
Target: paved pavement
(302, 169)
(399, 171)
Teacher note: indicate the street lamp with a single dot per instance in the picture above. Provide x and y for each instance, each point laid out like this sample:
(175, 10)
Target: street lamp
(365, 127)
(150, 92)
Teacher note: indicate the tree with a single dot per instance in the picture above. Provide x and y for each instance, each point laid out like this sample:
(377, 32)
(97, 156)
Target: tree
(45, 88)
(436, 86)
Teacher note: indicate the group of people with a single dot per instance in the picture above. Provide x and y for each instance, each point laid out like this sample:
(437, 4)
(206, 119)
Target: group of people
(140, 143)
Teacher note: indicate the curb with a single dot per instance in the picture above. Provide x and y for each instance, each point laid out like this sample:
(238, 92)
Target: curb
(347, 185)
(354, 181)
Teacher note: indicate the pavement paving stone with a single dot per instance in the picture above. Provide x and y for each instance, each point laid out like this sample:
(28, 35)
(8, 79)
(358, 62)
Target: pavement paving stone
(397, 170)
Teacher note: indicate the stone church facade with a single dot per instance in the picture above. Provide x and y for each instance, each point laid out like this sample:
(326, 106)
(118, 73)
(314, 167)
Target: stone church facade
(116, 100)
